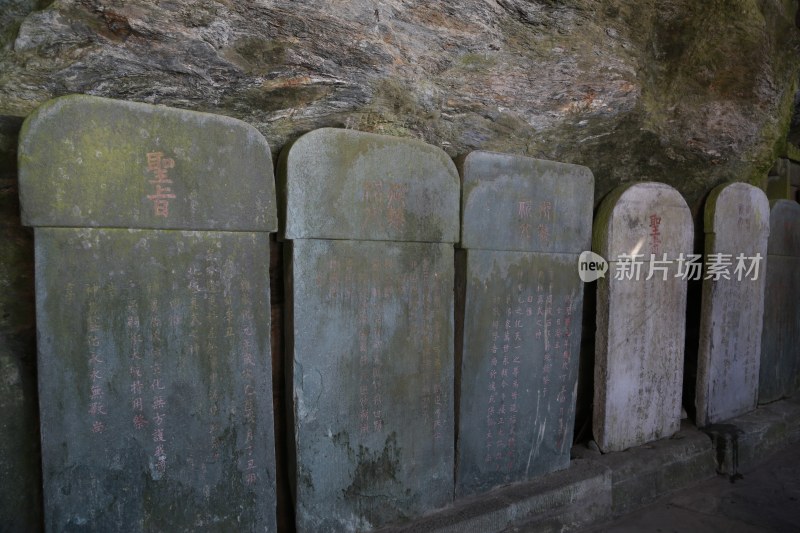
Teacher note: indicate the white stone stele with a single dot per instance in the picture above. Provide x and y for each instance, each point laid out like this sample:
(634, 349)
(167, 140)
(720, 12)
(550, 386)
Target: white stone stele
(736, 222)
(640, 324)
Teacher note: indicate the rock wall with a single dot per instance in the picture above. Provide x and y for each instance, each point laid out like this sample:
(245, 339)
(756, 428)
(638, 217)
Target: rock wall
(688, 93)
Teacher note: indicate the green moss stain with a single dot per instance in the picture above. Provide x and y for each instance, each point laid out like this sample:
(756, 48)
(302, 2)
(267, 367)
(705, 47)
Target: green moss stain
(181, 321)
(287, 96)
(97, 175)
(472, 61)
(396, 109)
(257, 56)
(375, 475)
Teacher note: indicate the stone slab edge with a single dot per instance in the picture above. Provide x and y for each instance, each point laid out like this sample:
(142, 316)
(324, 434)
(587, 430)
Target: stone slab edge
(566, 499)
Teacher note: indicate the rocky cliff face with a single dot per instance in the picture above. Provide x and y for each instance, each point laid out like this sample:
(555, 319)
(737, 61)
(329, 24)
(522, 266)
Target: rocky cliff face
(685, 92)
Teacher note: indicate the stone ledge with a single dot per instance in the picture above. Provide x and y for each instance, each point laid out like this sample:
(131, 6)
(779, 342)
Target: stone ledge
(744, 441)
(597, 487)
(561, 500)
(645, 473)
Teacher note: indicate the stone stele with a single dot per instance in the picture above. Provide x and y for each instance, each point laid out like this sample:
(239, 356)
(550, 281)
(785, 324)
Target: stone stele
(370, 327)
(779, 374)
(525, 222)
(639, 344)
(153, 339)
(736, 228)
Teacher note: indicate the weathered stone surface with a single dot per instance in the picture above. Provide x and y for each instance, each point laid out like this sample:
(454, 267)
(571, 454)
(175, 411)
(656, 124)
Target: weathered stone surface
(639, 345)
(644, 474)
(370, 327)
(783, 181)
(561, 501)
(372, 363)
(519, 367)
(736, 223)
(154, 374)
(677, 91)
(93, 162)
(744, 441)
(519, 203)
(154, 345)
(350, 185)
(20, 459)
(522, 316)
(780, 362)
(784, 239)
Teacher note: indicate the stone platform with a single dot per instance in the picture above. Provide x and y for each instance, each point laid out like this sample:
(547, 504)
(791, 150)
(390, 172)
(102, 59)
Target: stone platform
(598, 487)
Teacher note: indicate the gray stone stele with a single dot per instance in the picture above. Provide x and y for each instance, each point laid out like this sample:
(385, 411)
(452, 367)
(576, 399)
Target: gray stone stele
(530, 205)
(780, 364)
(344, 184)
(736, 222)
(639, 345)
(91, 162)
(525, 222)
(153, 345)
(369, 327)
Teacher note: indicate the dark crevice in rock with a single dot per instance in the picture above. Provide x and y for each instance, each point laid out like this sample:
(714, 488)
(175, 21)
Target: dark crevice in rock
(794, 128)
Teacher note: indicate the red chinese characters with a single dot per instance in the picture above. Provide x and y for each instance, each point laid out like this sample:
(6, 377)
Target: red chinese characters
(510, 317)
(159, 165)
(655, 234)
(386, 203)
(97, 407)
(525, 220)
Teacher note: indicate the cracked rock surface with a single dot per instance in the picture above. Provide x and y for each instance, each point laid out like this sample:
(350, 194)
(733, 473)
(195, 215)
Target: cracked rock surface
(688, 93)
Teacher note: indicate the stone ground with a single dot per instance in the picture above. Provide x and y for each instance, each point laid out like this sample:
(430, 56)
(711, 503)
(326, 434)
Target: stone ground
(766, 498)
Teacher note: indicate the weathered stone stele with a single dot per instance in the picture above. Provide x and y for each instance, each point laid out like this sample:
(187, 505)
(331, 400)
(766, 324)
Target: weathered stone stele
(525, 222)
(153, 340)
(639, 344)
(780, 357)
(736, 226)
(369, 326)
(20, 459)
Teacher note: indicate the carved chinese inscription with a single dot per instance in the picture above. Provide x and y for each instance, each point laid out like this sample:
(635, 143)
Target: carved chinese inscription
(521, 334)
(136, 388)
(153, 316)
(159, 165)
(737, 229)
(372, 221)
(779, 373)
(372, 347)
(519, 367)
(641, 314)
